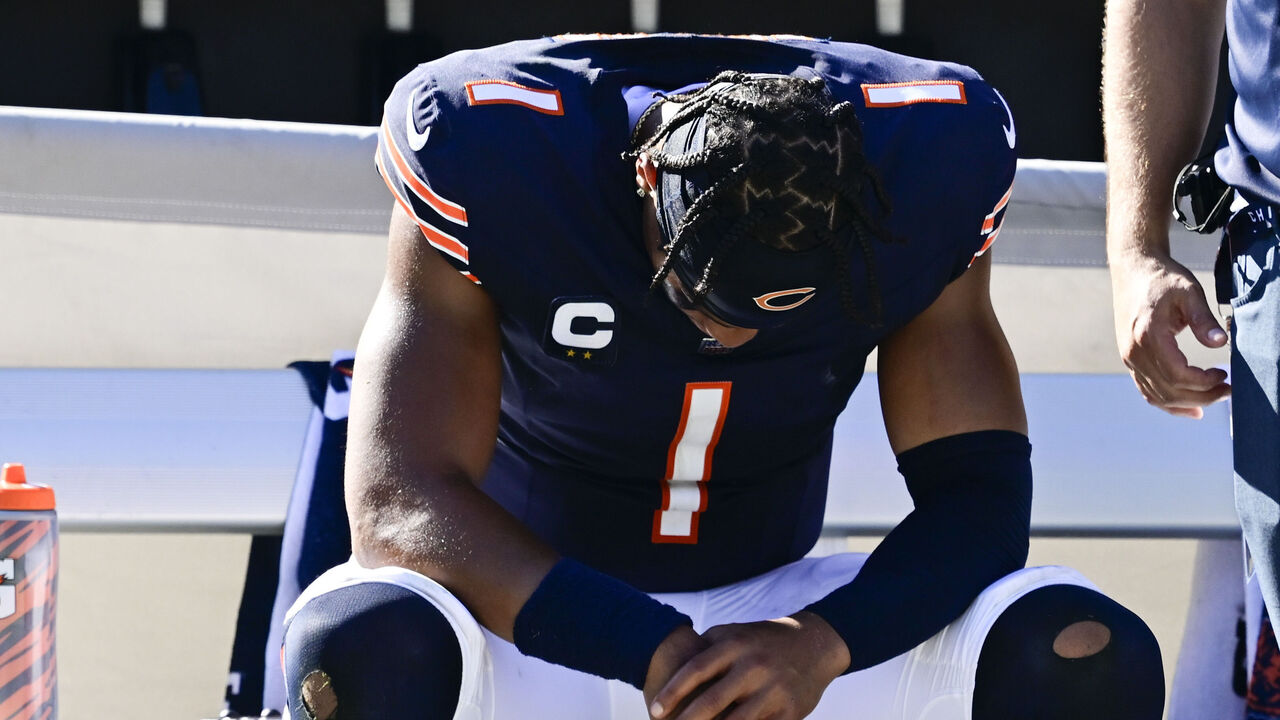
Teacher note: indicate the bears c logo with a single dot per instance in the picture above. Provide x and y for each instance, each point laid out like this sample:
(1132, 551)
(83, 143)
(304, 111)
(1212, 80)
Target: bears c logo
(581, 330)
(784, 299)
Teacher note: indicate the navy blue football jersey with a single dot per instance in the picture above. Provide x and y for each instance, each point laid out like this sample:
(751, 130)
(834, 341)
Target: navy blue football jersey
(627, 440)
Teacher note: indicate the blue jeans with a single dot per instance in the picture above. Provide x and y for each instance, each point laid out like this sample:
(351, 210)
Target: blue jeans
(1253, 249)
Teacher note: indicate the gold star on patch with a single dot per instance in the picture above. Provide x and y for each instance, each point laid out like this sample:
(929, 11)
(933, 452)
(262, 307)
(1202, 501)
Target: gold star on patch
(586, 355)
(570, 353)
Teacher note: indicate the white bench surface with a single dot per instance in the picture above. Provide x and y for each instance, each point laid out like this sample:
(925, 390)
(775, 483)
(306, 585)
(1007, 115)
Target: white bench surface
(1105, 462)
(217, 450)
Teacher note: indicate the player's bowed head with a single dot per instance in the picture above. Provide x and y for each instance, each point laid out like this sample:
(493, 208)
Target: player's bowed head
(762, 193)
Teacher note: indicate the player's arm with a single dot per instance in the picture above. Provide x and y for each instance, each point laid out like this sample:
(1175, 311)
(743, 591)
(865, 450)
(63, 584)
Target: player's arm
(1160, 67)
(423, 425)
(952, 406)
(950, 370)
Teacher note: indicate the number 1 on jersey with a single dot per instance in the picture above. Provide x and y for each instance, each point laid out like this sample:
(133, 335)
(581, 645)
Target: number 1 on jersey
(684, 491)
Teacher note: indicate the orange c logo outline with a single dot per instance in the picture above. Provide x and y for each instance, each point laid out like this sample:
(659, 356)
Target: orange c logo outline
(766, 301)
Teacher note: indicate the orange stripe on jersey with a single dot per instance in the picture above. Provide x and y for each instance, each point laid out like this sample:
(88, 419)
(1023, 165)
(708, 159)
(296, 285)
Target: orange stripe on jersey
(445, 242)
(1004, 200)
(989, 227)
(991, 239)
(440, 240)
(503, 92)
(471, 277)
(396, 192)
(989, 222)
(448, 209)
(884, 95)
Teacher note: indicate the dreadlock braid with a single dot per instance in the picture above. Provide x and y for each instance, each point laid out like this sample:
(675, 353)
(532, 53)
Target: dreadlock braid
(743, 227)
(702, 210)
(790, 172)
(841, 251)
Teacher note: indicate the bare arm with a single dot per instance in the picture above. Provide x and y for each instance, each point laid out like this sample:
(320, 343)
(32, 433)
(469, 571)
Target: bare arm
(1160, 67)
(950, 370)
(424, 416)
(1159, 74)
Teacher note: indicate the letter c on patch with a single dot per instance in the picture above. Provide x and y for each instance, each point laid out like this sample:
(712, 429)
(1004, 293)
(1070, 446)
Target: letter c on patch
(562, 325)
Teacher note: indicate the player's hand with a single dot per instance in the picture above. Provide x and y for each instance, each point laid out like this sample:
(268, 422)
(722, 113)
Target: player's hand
(1155, 299)
(679, 647)
(776, 669)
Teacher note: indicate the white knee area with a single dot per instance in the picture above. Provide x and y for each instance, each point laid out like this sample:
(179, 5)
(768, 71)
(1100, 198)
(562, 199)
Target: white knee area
(938, 679)
(476, 668)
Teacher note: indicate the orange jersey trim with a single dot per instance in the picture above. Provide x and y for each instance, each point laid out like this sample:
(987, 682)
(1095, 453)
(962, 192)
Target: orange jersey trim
(511, 93)
(989, 227)
(988, 223)
(438, 239)
(448, 209)
(991, 240)
(912, 93)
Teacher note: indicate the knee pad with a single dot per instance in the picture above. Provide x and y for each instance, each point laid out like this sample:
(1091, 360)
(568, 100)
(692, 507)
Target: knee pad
(1065, 652)
(370, 651)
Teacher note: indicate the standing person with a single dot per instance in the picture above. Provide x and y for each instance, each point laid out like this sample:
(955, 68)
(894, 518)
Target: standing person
(593, 406)
(1161, 61)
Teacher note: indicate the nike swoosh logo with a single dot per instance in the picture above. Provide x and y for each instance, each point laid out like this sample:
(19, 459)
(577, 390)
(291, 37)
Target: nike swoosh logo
(1010, 134)
(416, 139)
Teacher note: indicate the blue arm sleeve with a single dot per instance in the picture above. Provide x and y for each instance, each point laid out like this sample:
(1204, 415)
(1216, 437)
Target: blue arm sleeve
(969, 528)
(586, 620)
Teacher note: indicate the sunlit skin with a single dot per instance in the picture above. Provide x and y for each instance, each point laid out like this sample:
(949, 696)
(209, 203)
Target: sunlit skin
(727, 335)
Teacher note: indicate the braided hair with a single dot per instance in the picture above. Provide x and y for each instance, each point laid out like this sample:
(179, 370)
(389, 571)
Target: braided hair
(788, 169)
